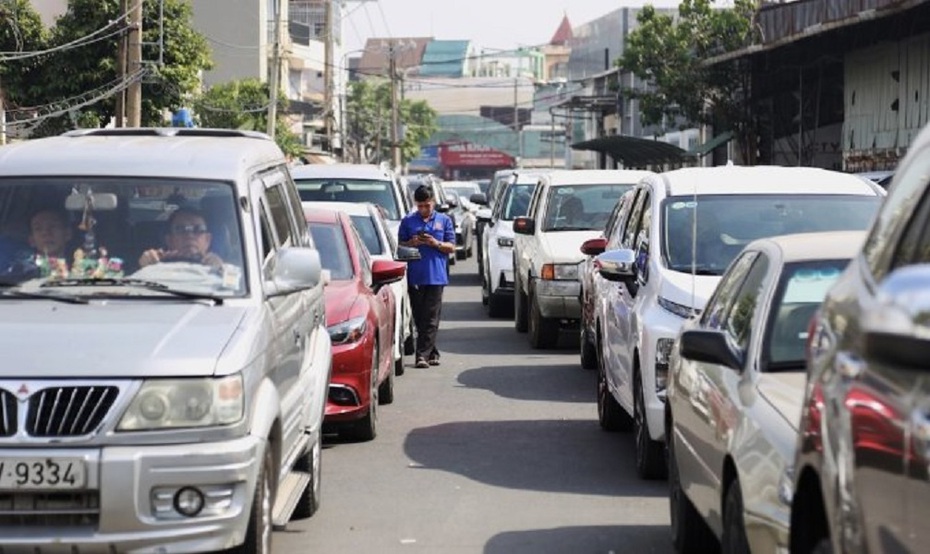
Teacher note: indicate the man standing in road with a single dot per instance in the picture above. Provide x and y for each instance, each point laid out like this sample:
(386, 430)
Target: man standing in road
(434, 235)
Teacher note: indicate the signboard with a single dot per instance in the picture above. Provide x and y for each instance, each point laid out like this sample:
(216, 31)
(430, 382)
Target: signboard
(428, 160)
(469, 154)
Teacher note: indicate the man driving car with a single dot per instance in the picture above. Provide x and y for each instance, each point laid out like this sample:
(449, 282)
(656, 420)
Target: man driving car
(188, 240)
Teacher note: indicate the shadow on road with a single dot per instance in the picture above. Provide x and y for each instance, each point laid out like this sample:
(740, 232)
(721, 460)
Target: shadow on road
(640, 539)
(560, 456)
(553, 383)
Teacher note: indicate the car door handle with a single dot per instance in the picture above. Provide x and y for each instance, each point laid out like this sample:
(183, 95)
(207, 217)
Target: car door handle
(848, 365)
(297, 337)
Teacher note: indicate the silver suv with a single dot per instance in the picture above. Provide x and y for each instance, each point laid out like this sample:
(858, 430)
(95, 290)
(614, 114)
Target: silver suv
(165, 356)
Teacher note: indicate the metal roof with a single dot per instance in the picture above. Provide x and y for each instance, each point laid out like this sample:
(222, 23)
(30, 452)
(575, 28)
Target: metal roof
(445, 58)
(348, 208)
(634, 151)
(834, 245)
(596, 176)
(168, 153)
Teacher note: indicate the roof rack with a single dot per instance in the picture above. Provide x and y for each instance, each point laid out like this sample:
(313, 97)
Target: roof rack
(166, 132)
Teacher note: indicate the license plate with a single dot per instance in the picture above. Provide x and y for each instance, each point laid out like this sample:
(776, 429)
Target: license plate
(42, 473)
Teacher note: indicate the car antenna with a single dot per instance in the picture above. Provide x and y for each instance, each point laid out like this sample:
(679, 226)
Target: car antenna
(694, 218)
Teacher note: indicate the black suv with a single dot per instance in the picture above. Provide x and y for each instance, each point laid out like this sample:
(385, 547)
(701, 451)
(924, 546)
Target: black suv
(860, 478)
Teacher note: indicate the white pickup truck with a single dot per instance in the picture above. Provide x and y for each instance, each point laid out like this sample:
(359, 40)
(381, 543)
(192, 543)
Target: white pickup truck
(567, 208)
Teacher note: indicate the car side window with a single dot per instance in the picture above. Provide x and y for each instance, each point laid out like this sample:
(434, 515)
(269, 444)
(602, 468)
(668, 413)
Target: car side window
(297, 212)
(914, 246)
(266, 238)
(280, 215)
(632, 226)
(720, 301)
(741, 314)
(364, 257)
(902, 201)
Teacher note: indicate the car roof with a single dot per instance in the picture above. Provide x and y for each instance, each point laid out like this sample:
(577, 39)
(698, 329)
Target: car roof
(168, 153)
(596, 176)
(316, 214)
(802, 247)
(765, 180)
(344, 171)
(348, 208)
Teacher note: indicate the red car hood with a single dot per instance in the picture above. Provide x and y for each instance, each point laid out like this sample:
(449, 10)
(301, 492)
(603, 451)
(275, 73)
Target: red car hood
(340, 297)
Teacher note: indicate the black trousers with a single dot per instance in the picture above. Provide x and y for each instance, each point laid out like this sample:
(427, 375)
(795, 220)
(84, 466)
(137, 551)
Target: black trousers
(426, 305)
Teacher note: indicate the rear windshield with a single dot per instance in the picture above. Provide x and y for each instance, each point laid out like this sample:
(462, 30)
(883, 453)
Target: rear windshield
(334, 251)
(351, 190)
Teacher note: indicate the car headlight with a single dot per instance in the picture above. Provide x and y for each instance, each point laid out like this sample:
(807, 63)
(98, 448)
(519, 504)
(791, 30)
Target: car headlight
(682, 311)
(663, 355)
(505, 242)
(560, 272)
(178, 403)
(347, 331)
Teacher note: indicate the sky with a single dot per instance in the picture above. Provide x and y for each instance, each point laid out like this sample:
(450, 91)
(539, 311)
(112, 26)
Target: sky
(503, 24)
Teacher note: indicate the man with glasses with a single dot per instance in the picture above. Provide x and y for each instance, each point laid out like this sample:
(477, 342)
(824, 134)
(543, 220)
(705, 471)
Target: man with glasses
(434, 235)
(188, 240)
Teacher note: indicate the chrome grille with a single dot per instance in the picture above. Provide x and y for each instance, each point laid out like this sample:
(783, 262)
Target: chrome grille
(68, 411)
(43, 509)
(7, 414)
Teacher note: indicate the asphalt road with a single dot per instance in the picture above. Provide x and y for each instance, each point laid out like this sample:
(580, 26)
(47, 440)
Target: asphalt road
(497, 450)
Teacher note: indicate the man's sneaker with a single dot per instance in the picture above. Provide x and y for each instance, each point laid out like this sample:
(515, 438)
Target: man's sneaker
(421, 362)
(434, 360)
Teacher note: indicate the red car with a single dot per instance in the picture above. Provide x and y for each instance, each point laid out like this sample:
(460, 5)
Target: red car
(360, 321)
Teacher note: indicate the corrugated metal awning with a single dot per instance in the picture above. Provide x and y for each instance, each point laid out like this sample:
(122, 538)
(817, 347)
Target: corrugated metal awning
(634, 151)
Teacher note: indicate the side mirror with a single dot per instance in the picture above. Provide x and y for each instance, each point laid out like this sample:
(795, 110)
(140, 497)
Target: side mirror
(594, 247)
(524, 226)
(407, 254)
(479, 198)
(297, 268)
(483, 215)
(452, 202)
(897, 329)
(710, 347)
(384, 272)
(443, 208)
(616, 265)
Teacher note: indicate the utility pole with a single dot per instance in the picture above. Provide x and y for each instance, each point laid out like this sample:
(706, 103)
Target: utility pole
(2, 117)
(395, 109)
(134, 54)
(120, 118)
(275, 70)
(328, 70)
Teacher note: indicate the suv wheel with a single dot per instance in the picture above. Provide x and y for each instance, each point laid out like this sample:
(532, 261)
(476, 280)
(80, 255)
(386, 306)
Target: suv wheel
(485, 290)
(588, 350)
(544, 332)
(734, 530)
(311, 462)
(650, 455)
(690, 534)
(519, 307)
(258, 534)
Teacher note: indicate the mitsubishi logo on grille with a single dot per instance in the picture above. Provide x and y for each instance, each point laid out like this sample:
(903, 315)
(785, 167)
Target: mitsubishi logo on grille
(22, 392)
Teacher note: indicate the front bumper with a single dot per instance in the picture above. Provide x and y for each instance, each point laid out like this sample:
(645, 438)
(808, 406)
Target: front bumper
(351, 378)
(558, 299)
(128, 486)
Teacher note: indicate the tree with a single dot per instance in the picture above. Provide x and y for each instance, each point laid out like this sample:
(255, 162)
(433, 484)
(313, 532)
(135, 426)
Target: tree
(368, 124)
(74, 71)
(671, 55)
(21, 30)
(244, 105)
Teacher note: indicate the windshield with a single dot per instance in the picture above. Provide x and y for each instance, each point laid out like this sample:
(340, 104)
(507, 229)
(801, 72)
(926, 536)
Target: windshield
(727, 223)
(367, 230)
(351, 190)
(334, 251)
(516, 201)
(802, 288)
(180, 234)
(581, 207)
(464, 191)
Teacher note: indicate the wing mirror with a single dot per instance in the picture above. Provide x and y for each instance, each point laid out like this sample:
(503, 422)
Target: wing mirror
(897, 329)
(594, 247)
(710, 347)
(524, 226)
(384, 272)
(407, 254)
(479, 198)
(297, 268)
(616, 265)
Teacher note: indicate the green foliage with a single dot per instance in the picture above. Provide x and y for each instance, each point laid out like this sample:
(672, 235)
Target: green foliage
(74, 71)
(368, 122)
(244, 105)
(21, 30)
(670, 56)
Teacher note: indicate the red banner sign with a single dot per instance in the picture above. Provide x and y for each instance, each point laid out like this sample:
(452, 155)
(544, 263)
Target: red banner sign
(468, 154)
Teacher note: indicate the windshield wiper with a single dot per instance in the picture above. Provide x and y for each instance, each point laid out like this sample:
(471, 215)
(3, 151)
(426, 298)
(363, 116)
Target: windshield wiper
(139, 283)
(774, 367)
(10, 292)
(569, 229)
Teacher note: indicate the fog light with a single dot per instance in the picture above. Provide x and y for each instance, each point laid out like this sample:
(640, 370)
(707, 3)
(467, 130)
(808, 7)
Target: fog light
(188, 501)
